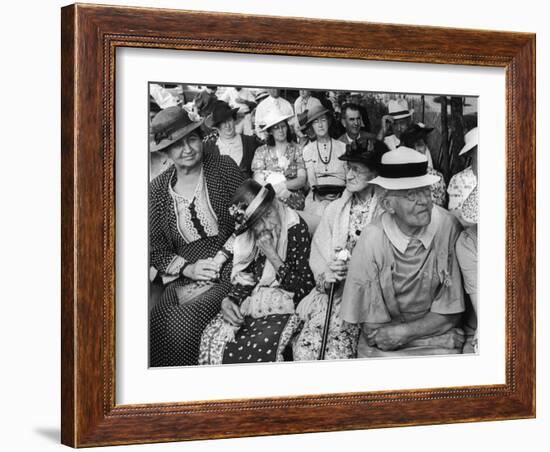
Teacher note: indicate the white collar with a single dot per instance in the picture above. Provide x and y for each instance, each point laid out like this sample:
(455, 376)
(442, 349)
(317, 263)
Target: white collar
(400, 240)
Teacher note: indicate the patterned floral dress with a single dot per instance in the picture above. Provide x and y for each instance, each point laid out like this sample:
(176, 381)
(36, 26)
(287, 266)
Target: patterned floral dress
(343, 337)
(264, 339)
(438, 190)
(288, 164)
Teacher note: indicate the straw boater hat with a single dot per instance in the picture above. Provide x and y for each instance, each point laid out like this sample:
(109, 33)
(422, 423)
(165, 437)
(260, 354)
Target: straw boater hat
(471, 140)
(272, 118)
(220, 112)
(403, 169)
(247, 213)
(315, 112)
(170, 125)
(399, 109)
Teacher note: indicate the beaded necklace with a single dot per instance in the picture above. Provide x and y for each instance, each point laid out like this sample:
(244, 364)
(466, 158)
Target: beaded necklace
(327, 161)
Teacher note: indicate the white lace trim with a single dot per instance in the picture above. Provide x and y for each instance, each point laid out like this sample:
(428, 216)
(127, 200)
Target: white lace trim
(203, 208)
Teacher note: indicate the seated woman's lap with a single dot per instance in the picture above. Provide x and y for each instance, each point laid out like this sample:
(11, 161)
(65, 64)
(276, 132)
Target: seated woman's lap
(176, 329)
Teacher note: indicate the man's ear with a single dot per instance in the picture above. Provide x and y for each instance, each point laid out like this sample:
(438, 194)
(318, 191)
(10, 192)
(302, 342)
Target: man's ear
(343, 122)
(387, 204)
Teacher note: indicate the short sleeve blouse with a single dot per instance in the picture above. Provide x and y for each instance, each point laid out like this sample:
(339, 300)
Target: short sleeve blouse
(266, 159)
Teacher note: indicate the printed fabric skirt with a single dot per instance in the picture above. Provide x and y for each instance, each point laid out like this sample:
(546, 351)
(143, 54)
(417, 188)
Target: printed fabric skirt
(342, 337)
(269, 325)
(296, 200)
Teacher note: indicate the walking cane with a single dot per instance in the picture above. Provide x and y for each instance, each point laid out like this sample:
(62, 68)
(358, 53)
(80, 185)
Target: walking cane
(327, 321)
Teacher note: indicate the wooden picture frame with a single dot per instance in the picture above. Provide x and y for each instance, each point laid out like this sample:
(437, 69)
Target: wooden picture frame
(90, 36)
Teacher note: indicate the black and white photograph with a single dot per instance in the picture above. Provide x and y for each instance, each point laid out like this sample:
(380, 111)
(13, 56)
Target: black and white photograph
(289, 224)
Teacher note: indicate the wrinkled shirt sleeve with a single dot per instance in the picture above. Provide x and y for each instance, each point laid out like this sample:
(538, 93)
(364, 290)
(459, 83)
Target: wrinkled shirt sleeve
(363, 300)
(450, 297)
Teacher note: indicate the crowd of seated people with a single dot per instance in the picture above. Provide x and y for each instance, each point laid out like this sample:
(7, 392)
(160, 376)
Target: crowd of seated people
(266, 212)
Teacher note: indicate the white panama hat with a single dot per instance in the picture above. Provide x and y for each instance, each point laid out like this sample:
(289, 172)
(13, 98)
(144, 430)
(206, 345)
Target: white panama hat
(399, 109)
(404, 168)
(272, 118)
(471, 140)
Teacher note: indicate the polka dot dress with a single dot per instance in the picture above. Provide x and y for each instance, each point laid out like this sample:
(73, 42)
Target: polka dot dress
(257, 340)
(175, 330)
(265, 338)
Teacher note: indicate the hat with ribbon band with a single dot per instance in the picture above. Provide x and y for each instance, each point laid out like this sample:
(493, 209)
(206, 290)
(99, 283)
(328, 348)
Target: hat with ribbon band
(399, 109)
(247, 215)
(402, 169)
(169, 126)
(365, 151)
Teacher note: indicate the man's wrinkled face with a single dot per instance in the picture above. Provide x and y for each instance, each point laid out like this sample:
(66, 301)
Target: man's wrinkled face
(412, 208)
(351, 120)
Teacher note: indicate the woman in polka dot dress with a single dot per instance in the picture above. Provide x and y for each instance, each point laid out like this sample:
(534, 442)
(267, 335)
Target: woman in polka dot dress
(270, 276)
(189, 225)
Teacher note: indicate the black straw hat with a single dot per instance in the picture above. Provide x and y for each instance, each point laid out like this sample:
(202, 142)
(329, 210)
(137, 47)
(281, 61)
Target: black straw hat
(413, 134)
(367, 152)
(221, 111)
(254, 200)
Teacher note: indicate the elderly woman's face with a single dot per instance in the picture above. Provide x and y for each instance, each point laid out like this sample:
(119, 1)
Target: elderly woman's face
(279, 131)
(358, 176)
(412, 208)
(320, 126)
(269, 223)
(187, 152)
(226, 129)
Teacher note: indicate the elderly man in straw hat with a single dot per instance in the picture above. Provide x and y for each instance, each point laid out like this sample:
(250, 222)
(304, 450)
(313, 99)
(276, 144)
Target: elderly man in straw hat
(404, 286)
(394, 125)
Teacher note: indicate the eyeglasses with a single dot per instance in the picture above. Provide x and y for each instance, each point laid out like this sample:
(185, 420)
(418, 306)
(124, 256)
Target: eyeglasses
(357, 169)
(413, 195)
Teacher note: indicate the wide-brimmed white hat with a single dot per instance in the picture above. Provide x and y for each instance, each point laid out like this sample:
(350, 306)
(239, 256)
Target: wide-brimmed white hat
(404, 168)
(273, 117)
(399, 109)
(471, 140)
